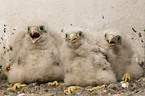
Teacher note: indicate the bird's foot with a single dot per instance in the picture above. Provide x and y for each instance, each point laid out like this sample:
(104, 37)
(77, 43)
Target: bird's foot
(62, 83)
(53, 83)
(98, 87)
(126, 77)
(16, 85)
(71, 89)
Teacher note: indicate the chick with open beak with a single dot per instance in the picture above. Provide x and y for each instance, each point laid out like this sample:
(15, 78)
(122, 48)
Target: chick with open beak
(113, 39)
(35, 32)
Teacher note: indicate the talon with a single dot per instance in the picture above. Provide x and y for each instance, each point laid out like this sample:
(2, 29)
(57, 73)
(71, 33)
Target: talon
(98, 87)
(62, 83)
(53, 83)
(126, 77)
(16, 85)
(71, 89)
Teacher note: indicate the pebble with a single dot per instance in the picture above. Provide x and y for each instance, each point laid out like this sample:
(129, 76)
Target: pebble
(124, 84)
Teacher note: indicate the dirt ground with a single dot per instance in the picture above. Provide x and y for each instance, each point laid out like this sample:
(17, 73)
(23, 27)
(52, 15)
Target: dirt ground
(135, 88)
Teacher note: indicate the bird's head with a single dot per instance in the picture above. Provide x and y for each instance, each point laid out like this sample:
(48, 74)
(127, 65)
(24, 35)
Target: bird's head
(113, 39)
(35, 32)
(74, 39)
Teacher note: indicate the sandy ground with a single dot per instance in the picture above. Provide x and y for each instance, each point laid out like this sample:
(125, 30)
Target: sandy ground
(135, 88)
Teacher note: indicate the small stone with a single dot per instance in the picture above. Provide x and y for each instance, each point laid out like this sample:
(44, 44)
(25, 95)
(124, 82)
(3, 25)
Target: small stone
(134, 30)
(104, 90)
(62, 30)
(124, 84)
(22, 94)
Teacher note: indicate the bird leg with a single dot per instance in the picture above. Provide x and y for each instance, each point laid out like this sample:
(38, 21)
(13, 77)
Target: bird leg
(98, 87)
(71, 89)
(62, 83)
(16, 85)
(55, 83)
(126, 77)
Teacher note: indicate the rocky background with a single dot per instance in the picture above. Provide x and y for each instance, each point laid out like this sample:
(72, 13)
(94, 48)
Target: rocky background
(125, 15)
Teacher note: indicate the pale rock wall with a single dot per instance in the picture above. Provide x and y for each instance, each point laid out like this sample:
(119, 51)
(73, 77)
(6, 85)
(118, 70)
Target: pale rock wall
(90, 14)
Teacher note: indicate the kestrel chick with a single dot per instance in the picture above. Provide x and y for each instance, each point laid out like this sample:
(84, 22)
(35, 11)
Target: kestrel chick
(84, 64)
(35, 56)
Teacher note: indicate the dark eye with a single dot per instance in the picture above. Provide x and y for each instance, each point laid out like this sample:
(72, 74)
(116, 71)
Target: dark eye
(28, 28)
(118, 38)
(108, 41)
(66, 35)
(80, 33)
(41, 28)
(105, 35)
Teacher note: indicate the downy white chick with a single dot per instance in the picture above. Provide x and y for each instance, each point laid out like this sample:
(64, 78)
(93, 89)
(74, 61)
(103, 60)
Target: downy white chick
(119, 53)
(83, 63)
(35, 56)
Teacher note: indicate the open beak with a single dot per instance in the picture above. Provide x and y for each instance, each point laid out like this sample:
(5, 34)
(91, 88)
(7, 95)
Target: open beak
(34, 36)
(73, 40)
(112, 43)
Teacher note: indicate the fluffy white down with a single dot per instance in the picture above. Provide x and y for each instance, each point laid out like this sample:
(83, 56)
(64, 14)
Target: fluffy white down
(122, 57)
(35, 62)
(85, 65)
